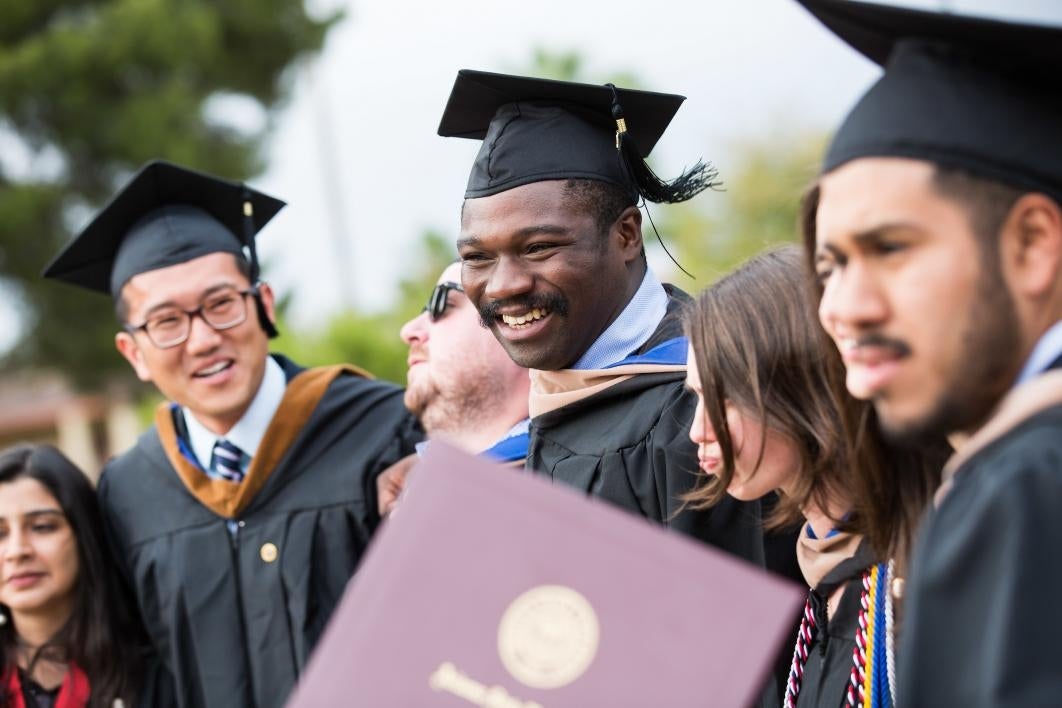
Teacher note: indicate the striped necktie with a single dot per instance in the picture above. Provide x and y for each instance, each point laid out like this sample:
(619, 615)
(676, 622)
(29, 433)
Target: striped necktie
(227, 461)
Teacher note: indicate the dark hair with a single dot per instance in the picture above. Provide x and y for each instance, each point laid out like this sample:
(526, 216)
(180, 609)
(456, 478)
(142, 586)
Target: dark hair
(102, 635)
(808, 225)
(602, 200)
(757, 344)
(987, 204)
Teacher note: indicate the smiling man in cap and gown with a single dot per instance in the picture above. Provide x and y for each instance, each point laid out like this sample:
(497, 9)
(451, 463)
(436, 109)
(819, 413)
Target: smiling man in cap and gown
(241, 514)
(936, 231)
(553, 259)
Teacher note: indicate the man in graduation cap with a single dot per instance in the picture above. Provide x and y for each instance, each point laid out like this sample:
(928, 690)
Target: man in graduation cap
(552, 257)
(241, 514)
(936, 232)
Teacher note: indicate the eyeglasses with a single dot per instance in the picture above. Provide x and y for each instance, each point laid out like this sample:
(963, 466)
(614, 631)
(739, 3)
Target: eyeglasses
(171, 326)
(440, 298)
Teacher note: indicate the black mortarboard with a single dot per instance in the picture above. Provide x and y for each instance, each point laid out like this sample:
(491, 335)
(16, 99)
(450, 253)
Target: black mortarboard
(165, 215)
(539, 129)
(964, 92)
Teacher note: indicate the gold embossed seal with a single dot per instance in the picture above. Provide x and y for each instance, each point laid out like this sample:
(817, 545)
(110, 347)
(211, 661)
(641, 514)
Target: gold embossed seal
(548, 636)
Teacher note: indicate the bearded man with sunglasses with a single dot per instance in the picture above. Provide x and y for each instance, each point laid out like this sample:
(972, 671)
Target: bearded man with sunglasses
(241, 514)
(461, 383)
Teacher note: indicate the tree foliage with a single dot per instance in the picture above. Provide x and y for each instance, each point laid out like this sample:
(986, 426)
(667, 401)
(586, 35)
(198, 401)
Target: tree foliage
(756, 207)
(371, 340)
(92, 89)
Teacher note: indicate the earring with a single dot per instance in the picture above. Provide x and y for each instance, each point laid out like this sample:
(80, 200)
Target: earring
(3, 619)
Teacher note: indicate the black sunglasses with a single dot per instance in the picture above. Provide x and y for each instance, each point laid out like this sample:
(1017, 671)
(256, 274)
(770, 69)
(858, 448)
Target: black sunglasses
(440, 298)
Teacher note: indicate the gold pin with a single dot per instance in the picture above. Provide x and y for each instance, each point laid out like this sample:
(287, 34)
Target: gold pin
(248, 209)
(268, 552)
(621, 128)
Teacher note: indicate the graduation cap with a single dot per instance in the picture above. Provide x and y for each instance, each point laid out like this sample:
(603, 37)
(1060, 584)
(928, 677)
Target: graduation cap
(164, 216)
(539, 129)
(964, 92)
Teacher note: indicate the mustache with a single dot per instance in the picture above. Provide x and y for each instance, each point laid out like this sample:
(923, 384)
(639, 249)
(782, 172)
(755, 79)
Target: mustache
(557, 304)
(875, 339)
(417, 350)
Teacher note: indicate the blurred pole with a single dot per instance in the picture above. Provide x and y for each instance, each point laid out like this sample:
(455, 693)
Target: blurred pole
(123, 427)
(335, 194)
(73, 425)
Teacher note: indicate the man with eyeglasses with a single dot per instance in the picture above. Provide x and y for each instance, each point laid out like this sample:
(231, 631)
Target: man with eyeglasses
(241, 514)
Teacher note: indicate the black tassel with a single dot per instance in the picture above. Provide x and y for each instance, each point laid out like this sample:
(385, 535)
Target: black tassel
(648, 184)
(248, 233)
(654, 189)
(248, 238)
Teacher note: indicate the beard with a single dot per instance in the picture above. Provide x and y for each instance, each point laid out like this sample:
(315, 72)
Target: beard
(456, 405)
(417, 397)
(982, 375)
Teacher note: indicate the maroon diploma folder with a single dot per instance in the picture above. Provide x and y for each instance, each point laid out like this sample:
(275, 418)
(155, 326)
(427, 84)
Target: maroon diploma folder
(490, 587)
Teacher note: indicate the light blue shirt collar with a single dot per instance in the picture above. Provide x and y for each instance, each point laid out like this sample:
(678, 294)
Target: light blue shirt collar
(633, 328)
(1046, 351)
(519, 429)
(249, 430)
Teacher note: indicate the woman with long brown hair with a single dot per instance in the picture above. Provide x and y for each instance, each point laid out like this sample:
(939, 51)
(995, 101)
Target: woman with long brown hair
(68, 631)
(773, 416)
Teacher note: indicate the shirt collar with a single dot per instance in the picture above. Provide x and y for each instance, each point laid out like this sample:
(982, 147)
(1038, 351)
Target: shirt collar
(521, 428)
(249, 430)
(1046, 351)
(633, 328)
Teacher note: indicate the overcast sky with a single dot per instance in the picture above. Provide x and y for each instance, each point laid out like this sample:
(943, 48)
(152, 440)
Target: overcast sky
(357, 153)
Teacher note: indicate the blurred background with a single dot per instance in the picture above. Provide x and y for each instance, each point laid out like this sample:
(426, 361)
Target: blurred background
(332, 106)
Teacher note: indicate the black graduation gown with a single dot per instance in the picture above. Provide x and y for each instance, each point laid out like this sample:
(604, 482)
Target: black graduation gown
(629, 444)
(829, 664)
(157, 688)
(234, 616)
(982, 625)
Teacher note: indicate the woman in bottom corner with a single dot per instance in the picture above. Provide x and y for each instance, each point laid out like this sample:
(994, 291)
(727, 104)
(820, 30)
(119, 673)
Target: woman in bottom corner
(68, 633)
(773, 416)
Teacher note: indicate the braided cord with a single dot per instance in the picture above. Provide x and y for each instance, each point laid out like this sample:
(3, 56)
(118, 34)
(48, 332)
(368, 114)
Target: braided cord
(872, 680)
(805, 635)
(890, 637)
(855, 692)
(868, 661)
(880, 684)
